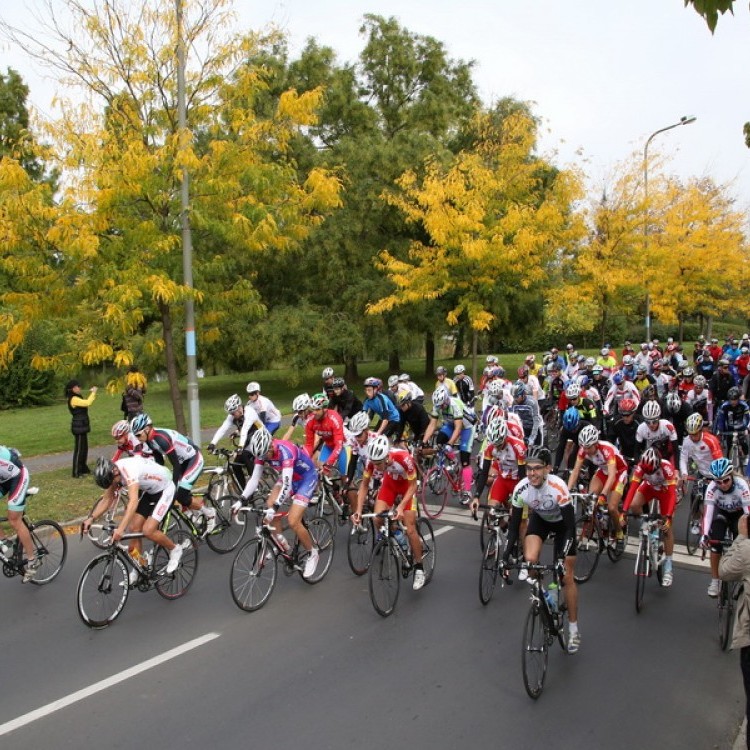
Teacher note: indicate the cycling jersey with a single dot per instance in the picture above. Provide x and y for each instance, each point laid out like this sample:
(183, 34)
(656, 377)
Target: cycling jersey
(381, 405)
(329, 429)
(14, 479)
(605, 455)
(250, 423)
(528, 412)
(297, 474)
(732, 417)
(702, 452)
(399, 466)
(735, 499)
(186, 459)
(546, 501)
(506, 459)
(154, 482)
(131, 446)
(618, 392)
(229, 426)
(266, 411)
(455, 409)
(465, 387)
(664, 437)
(658, 484)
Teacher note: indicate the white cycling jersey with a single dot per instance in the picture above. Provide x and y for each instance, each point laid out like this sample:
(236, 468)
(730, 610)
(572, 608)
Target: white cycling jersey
(736, 499)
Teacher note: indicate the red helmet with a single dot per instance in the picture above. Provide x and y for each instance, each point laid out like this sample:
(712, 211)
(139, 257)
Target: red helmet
(627, 406)
(650, 460)
(523, 371)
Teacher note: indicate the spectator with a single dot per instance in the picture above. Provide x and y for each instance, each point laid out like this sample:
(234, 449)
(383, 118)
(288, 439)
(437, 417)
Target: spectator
(135, 390)
(80, 425)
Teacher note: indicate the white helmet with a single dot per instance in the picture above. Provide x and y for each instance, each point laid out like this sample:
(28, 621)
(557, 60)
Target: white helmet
(260, 442)
(440, 397)
(404, 377)
(379, 448)
(627, 360)
(674, 402)
(253, 387)
(392, 380)
(459, 370)
(588, 436)
(359, 422)
(497, 431)
(495, 388)
(604, 351)
(301, 402)
(573, 390)
(327, 373)
(233, 403)
(491, 359)
(699, 381)
(651, 410)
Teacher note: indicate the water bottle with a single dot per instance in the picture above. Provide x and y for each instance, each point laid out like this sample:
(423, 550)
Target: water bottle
(400, 537)
(551, 594)
(282, 542)
(138, 557)
(6, 548)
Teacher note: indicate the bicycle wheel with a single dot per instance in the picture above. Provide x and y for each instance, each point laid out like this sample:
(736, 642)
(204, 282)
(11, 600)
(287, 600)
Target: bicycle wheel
(253, 574)
(429, 550)
(174, 585)
(588, 548)
(102, 591)
(487, 527)
(535, 652)
(385, 578)
(218, 486)
(359, 547)
(641, 573)
(51, 548)
(725, 604)
(321, 531)
(98, 533)
(434, 492)
(614, 551)
(488, 570)
(658, 562)
(693, 531)
(228, 533)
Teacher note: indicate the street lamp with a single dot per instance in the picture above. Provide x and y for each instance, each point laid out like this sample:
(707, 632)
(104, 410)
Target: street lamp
(686, 120)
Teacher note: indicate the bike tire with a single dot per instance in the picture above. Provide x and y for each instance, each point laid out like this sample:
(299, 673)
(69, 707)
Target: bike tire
(384, 580)
(695, 515)
(434, 492)
(615, 553)
(588, 548)
(253, 574)
(535, 652)
(51, 548)
(487, 528)
(98, 534)
(488, 570)
(228, 533)
(102, 591)
(429, 548)
(359, 547)
(174, 585)
(218, 486)
(725, 604)
(324, 538)
(641, 573)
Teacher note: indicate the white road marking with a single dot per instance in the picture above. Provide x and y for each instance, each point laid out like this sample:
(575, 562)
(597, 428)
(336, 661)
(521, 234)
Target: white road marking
(109, 682)
(442, 530)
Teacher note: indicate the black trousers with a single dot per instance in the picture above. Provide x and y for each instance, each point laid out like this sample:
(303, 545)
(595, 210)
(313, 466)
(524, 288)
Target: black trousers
(745, 666)
(80, 454)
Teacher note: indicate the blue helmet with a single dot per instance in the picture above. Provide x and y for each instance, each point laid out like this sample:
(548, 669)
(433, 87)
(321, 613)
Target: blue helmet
(570, 419)
(617, 378)
(140, 422)
(720, 468)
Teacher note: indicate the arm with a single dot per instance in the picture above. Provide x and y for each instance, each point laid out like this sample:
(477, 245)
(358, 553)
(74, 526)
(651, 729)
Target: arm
(734, 564)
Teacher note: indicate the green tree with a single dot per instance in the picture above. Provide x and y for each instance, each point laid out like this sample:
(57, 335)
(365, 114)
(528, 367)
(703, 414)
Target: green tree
(16, 140)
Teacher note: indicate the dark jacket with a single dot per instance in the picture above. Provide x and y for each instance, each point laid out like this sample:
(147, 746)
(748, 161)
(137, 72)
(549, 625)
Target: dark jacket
(80, 423)
(132, 402)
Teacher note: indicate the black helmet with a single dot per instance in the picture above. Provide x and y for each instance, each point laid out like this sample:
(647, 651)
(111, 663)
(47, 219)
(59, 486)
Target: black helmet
(733, 394)
(338, 383)
(539, 454)
(104, 473)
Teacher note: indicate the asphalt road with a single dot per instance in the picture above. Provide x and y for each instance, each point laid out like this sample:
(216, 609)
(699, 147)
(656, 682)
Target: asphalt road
(318, 668)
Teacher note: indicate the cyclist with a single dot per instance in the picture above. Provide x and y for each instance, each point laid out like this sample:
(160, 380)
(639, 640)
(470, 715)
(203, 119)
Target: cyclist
(571, 425)
(733, 418)
(658, 433)
(606, 361)
(727, 498)
(327, 376)
(417, 394)
(531, 382)
(399, 484)
(600, 381)
(721, 381)
(269, 415)
(457, 429)
(344, 401)
(302, 414)
(624, 429)
(464, 384)
(677, 412)
(297, 481)
(443, 380)
(550, 511)
(186, 460)
(326, 426)
(700, 447)
(232, 425)
(642, 377)
(377, 403)
(413, 415)
(699, 399)
(527, 409)
(620, 389)
(655, 478)
(14, 482)
(150, 495)
(127, 443)
(358, 439)
(610, 477)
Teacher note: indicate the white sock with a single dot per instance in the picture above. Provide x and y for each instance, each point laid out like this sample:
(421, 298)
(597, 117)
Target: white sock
(208, 512)
(573, 628)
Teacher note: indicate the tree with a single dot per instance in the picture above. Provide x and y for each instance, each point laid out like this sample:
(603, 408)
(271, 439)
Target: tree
(710, 10)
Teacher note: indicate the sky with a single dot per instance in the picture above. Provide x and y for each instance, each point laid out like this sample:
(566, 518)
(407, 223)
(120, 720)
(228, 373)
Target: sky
(601, 74)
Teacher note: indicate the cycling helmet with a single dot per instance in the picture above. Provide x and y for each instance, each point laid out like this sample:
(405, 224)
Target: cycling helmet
(573, 391)
(627, 360)
(327, 373)
(495, 388)
(617, 378)
(498, 372)
(588, 436)
(301, 402)
(656, 364)
(104, 473)
(627, 406)
(650, 460)
(121, 428)
(319, 401)
(571, 418)
(733, 394)
(403, 398)
(581, 359)
(584, 381)
(530, 359)
(644, 345)
(723, 362)
(598, 370)
(379, 448)
(359, 422)
(519, 390)
(674, 402)
(260, 443)
(392, 380)
(641, 369)
(648, 393)
(523, 371)
(652, 410)
(441, 371)
(253, 387)
(497, 431)
(491, 359)
(688, 372)
(404, 377)
(139, 423)
(338, 383)
(538, 454)
(459, 370)
(694, 423)
(373, 383)
(232, 403)
(699, 382)
(604, 351)
(720, 468)
(440, 397)
(590, 361)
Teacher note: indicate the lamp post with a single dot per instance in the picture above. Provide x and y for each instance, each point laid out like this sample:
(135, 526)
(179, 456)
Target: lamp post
(686, 120)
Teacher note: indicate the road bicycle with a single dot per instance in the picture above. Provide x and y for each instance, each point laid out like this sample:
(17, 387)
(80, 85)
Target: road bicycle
(224, 481)
(650, 556)
(99, 532)
(328, 499)
(105, 582)
(696, 488)
(496, 518)
(726, 601)
(361, 539)
(442, 478)
(49, 542)
(255, 567)
(545, 622)
(734, 451)
(591, 533)
(391, 561)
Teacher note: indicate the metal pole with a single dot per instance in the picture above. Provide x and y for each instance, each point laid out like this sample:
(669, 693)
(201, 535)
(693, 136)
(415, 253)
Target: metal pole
(187, 243)
(683, 121)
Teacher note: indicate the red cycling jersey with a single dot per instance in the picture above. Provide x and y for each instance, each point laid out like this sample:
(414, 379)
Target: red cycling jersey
(330, 429)
(605, 454)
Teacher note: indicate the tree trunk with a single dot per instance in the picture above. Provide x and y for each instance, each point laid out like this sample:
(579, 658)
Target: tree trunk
(394, 363)
(681, 328)
(701, 323)
(429, 354)
(474, 344)
(458, 347)
(709, 326)
(350, 368)
(172, 374)
(603, 326)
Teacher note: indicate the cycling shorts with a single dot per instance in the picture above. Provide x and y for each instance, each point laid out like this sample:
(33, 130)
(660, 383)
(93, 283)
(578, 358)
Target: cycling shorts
(466, 440)
(619, 486)
(156, 505)
(665, 498)
(392, 489)
(343, 459)
(191, 471)
(541, 528)
(15, 489)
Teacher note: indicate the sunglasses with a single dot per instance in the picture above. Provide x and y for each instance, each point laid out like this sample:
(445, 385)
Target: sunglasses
(726, 480)
(652, 421)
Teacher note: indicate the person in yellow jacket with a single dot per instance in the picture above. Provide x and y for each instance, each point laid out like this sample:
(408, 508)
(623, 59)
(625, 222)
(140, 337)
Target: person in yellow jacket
(78, 406)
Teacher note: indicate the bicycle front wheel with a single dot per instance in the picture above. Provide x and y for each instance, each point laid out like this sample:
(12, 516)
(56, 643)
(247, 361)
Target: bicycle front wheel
(535, 652)
(641, 573)
(51, 548)
(695, 516)
(725, 604)
(429, 550)
(488, 570)
(174, 585)
(588, 548)
(385, 578)
(253, 574)
(99, 535)
(323, 538)
(359, 547)
(102, 591)
(227, 533)
(434, 492)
